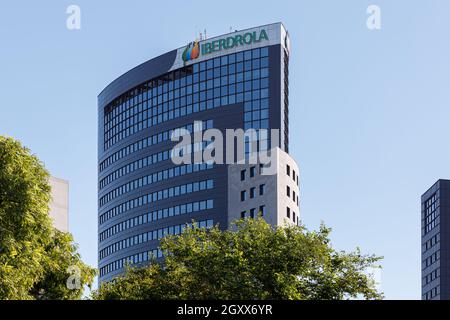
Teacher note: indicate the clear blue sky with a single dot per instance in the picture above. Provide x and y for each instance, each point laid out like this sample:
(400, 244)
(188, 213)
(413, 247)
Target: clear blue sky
(369, 109)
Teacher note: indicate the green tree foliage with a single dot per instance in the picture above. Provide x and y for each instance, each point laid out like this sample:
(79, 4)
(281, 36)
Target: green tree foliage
(255, 261)
(34, 256)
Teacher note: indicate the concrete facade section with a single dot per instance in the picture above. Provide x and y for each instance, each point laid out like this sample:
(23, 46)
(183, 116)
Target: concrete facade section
(288, 189)
(59, 206)
(252, 192)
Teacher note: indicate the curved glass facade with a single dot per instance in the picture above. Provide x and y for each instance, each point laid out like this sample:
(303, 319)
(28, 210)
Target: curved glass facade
(143, 195)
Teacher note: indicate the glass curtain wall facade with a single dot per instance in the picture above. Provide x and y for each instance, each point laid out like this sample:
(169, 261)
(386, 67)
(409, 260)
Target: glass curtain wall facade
(143, 195)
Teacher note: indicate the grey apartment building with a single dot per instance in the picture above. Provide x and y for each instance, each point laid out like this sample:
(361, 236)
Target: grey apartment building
(236, 80)
(435, 242)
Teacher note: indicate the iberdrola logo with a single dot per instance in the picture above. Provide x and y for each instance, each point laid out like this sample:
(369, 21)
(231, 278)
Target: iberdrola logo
(191, 52)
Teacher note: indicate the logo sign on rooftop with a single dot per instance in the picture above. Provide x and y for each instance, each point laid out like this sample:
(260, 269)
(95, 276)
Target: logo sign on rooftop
(193, 50)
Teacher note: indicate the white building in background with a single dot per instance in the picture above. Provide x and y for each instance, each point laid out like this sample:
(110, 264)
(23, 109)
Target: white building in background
(59, 205)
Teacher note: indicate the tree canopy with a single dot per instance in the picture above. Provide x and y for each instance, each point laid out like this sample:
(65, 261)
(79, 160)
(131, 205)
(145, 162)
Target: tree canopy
(34, 256)
(254, 261)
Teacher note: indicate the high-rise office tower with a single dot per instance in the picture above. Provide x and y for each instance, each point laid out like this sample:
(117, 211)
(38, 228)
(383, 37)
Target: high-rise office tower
(435, 242)
(234, 81)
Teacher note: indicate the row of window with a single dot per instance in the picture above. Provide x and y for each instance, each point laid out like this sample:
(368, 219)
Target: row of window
(432, 293)
(431, 259)
(218, 87)
(150, 141)
(290, 213)
(153, 178)
(232, 58)
(130, 260)
(157, 196)
(147, 237)
(192, 148)
(151, 254)
(431, 242)
(431, 225)
(253, 84)
(294, 195)
(252, 146)
(179, 79)
(144, 162)
(135, 165)
(156, 215)
(205, 100)
(294, 175)
(201, 91)
(252, 212)
(433, 275)
(252, 172)
(430, 212)
(252, 192)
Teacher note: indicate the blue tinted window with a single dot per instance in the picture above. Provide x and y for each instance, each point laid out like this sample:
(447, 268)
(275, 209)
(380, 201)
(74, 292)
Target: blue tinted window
(239, 57)
(163, 100)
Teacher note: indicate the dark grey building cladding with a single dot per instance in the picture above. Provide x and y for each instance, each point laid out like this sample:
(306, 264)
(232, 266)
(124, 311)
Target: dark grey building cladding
(435, 225)
(148, 70)
(129, 234)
